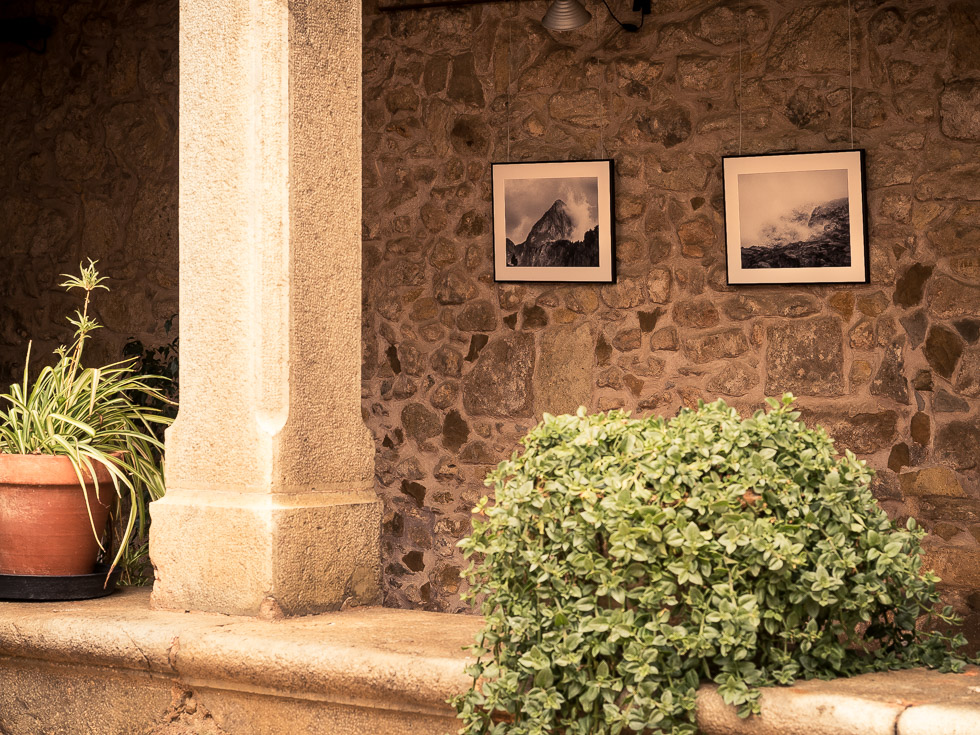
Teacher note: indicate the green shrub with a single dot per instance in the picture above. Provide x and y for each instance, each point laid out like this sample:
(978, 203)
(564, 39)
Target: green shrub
(625, 561)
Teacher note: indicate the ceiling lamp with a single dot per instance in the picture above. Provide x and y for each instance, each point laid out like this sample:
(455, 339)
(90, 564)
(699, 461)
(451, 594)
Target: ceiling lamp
(565, 15)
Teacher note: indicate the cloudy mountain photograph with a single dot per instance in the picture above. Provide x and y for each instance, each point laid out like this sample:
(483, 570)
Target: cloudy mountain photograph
(552, 222)
(794, 219)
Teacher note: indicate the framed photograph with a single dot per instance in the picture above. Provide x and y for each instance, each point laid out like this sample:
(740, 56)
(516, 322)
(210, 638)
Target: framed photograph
(553, 221)
(796, 218)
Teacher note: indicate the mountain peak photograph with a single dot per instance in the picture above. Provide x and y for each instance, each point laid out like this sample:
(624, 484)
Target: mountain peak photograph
(552, 223)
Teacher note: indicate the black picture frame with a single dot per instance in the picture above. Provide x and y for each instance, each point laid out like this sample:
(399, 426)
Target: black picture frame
(565, 242)
(796, 218)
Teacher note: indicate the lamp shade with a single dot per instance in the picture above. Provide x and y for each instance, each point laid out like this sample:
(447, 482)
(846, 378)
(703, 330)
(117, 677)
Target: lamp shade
(565, 15)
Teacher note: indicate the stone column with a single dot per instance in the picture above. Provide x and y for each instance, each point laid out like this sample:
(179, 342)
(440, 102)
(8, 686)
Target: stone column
(270, 507)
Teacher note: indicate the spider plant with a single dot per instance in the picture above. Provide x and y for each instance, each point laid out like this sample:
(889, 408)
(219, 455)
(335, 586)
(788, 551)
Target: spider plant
(92, 416)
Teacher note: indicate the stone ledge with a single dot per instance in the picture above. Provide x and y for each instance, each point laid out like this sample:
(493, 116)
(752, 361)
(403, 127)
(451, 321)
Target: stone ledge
(118, 667)
(913, 702)
(335, 672)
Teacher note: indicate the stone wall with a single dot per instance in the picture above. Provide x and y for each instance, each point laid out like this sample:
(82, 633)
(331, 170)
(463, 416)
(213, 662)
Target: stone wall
(457, 367)
(89, 170)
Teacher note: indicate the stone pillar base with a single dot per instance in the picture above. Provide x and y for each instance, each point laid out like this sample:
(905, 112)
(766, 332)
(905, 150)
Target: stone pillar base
(266, 555)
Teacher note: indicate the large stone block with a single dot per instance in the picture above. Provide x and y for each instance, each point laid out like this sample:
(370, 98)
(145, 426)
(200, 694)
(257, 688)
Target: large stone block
(806, 358)
(44, 697)
(890, 380)
(736, 379)
(722, 343)
(258, 554)
(453, 287)
(464, 84)
(419, 422)
(956, 182)
(626, 294)
(914, 702)
(697, 236)
(658, 285)
(699, 312)
(959, 443)
(908, 290)
(470, 135)
(861, 432)
(942, 350)
(960, 233)
(968, 380)
(931, 481)
(964, 52)
(500, 382)
(668, 124)
(959, 110)
(248, 712)
(743, 306)
(579, 108)
(720, 24)
(477, 316)
(812, 39)
(563, 372)
(950, 299)
(956, 566)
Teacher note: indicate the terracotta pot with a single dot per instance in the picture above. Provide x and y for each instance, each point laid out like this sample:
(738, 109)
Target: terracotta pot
(44, 523)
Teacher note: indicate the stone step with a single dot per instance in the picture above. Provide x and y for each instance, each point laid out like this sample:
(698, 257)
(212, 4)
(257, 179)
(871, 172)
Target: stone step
(912, 702)
(115, 667)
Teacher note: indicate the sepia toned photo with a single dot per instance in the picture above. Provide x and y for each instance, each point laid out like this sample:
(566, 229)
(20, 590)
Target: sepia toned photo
(796, 218)
(553, 221)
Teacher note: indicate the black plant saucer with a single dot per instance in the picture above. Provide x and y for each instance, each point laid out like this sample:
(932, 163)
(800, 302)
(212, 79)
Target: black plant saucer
(35, 588)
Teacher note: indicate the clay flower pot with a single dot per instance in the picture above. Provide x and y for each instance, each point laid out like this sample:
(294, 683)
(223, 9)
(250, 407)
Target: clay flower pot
(44, 523)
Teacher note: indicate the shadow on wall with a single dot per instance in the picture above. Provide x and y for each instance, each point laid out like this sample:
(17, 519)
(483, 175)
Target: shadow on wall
(90, 171)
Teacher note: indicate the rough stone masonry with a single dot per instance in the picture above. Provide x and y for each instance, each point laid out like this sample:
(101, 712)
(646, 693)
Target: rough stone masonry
(88, 169)
(457, 367)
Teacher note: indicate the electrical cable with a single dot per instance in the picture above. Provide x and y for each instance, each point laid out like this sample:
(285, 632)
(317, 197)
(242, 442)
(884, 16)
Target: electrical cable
(628, 27)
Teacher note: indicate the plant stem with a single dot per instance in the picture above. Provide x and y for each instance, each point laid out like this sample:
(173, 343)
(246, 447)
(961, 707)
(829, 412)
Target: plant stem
(79, 343)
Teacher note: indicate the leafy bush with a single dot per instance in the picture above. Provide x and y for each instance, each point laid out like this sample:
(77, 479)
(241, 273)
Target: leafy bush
(625, 561)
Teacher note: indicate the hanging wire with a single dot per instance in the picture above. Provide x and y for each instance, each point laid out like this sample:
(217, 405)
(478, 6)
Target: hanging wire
(601, 112)
(510, 25)
(740, 77)
(850, 73)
